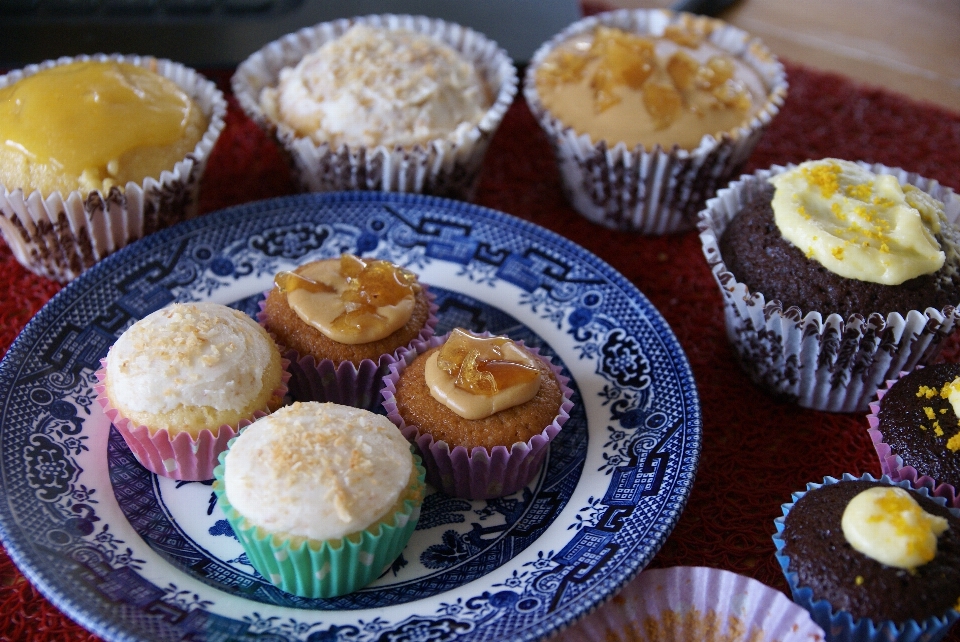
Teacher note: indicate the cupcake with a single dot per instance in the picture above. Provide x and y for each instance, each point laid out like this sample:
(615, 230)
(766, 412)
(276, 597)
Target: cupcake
(835, 276)
(321, 496)
(481, 409)
(181, 382)
(872, 560)
(651, 111)
(390, 103)
(915, 427)
(82, 177)
(344, 321)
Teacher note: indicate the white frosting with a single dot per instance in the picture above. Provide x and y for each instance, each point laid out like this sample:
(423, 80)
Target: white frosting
(317, 470)
(378, 87)
(188, 355)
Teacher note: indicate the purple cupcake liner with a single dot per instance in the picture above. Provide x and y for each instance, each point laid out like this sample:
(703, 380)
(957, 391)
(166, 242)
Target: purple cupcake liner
(891, 464)
(840, 625)
(478, 473)
(343, 382)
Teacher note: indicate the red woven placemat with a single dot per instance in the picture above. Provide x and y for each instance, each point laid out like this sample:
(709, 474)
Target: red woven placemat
(756, 451)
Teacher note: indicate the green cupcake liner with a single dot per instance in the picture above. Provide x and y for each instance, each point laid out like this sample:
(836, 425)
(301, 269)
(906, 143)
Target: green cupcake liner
(315, 569)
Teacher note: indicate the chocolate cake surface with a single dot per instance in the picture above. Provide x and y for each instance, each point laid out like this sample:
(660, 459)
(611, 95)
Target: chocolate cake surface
(826, 563)
(910, 432)
(756, 253)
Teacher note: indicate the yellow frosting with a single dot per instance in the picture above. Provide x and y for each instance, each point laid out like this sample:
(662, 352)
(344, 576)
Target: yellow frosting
(886, 524)
(92, 125)
(858, 224)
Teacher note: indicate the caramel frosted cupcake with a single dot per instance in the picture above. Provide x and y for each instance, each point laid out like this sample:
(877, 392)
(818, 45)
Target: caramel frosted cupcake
(81, 178)
(650, 112)
(835, 275)
(392, 103)
(181, 382)
(482, 410)
(344, 321)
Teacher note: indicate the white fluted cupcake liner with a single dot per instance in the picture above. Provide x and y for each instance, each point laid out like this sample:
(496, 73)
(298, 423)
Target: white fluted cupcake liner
(653, 191)
(816, 357)
(443, 167)
(62, 235)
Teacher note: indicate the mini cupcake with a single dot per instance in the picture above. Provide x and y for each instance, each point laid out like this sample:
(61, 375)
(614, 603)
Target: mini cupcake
(822, 301)
(321, 496)
(695, 603)
(915, 428)
(83, 177)
(391, 103)
(651, 111)
(344, 321)
(481, 409)
(872, 560)
(181, 382)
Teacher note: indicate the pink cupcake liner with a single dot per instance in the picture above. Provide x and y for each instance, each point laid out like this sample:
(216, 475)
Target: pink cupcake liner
(479, 473)
(344, 383)
(891, 464)
(181, 457)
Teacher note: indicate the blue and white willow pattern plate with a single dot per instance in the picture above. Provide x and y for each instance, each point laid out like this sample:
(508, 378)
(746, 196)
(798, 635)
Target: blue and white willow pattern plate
(134, 557)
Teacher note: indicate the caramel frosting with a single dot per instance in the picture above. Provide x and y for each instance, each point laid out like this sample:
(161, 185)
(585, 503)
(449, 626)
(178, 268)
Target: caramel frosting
(317, 470)
(476, 377)
(92, 126)
(351, 300)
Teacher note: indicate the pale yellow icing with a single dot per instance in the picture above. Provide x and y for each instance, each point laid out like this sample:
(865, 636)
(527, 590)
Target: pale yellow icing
(858, 224)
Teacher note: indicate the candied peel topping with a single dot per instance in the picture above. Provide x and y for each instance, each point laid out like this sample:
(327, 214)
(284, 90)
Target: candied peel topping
(910, 521)
(950, 388)
(478, 366)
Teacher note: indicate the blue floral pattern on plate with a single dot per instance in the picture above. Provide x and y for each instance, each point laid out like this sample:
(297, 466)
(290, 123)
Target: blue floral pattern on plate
(135, 557)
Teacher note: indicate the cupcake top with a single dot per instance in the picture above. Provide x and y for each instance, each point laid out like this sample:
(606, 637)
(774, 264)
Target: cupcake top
(94, 126)
(317, 470)
(375, 86)
(665, 89)
(192, 356)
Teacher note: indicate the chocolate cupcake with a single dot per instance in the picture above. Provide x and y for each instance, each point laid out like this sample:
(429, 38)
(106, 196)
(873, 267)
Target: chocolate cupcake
(824, 312)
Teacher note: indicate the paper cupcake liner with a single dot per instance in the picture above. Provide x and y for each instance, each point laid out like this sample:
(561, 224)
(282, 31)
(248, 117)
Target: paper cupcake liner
(329, 568)
(817, 359)
(62, 235)
(840, 625)
(891, 464)
(183, 456)
(345, 383)
(686, 603)
(442, 167)
(653, 191)
(479, 473)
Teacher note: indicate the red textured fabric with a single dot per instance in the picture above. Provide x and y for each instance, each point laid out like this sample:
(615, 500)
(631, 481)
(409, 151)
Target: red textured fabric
(756, 450)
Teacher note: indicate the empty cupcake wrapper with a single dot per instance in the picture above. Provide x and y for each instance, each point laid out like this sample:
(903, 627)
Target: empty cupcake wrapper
(653, 191)
(840, 625)
(818, 359)
(443, 167)
(62, 235)
(479, 473)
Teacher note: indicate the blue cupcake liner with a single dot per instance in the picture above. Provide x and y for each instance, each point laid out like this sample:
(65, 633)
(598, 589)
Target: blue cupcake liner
(840, 626)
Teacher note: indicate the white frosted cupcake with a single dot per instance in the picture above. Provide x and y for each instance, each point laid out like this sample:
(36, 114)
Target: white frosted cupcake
(391, 103)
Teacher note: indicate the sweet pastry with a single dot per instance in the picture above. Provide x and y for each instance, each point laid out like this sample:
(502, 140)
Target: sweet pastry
(180, 382)
(650, 112)
(823, 264)
(321, 496)
(476, 398)
(391, 103)
(101, 151)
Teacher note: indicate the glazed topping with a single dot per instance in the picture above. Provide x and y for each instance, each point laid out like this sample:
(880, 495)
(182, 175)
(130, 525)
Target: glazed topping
(351, 300)
(317, 470)
(951, 392)
(476, 377)
(886, 524)
(374, 86)
(620, 86)
(85, 119)
(189, 354)
(858, 224)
